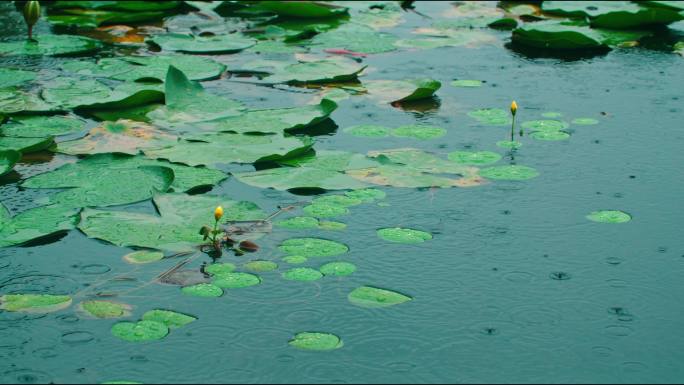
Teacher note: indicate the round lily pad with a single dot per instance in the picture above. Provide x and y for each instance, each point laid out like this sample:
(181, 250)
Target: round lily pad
(50, 45)
(313, 247)
(467, 83)
(143, 256)
(329, 225)
(338, 200)
(261, 266)
(512, 144)
(302, 274)
(373, 297)
(367, 195)
(203, 290)
(368, 131)
(418, 131)
(609, 216)
(545, 125)
(215, 44)
(509, 173)
(219, 268)
(105, 309)
(474, 157)
(338, 269)
(236, 280)
(551, 115)
(585, 121)
(298, 223)
(41, 126)
(140, 331)
(400, 235)
(34, 303)
(552, 136)
(295, 259)
(325, 210)
(171, 319)
(316, 341)
(491, 116)
(11, 77)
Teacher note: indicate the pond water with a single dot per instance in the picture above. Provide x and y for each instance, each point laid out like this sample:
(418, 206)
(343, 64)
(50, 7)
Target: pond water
(515, 286)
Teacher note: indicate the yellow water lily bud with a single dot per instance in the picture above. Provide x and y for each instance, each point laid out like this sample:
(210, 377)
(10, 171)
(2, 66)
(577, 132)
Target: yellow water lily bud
(218, 213)
(31, 15)
(514, 107)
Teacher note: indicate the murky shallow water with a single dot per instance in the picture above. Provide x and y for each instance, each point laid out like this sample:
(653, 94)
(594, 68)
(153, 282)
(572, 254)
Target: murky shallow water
(488, 305)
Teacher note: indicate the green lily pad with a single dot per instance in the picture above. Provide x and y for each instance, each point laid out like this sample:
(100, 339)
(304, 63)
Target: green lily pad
(316, 341)
(397, 91)
(585, 121)
(176, 226)
(236, 280)
(373, 297)
(8, 158)
(171, 319)
(329, 70)
(491, 116)
(448, 38)
(34, 303)
(465, 83)
(509, 172)
(215, 44)
(219, 268)
(36, 223)
(261, 266)
(325, 210)
(400, 235)
(41, 126)
(143, 256)
(25, 145)
(338, 269)
(92, 94)
(304, 274)
(614, 14)
(545, 125)
(609, 216)
(337, 200)
(550, 135)
(511, 144)
(295, 259)
(142, 331)
(15, 101)
(571, 35)
(419, 131)
(334, 226)
(474, 157)
(312, 247)
(203, 290)
(356, 38)
(300, 9)
(368, 131)
(12, 77)
(297, 223)
(105, 309)
(552, 115)
(50, 45)
(366, 195)
(87, 18)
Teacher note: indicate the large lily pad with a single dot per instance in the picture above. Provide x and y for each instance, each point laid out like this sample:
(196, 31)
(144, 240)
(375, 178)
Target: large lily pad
(312, 247)
(171, 319)
(123, 136)
(393, 91)
(34, 303)
(545, 125)
(15, 101)
(373, 297)
(92, 94)
(316, 341)
(142, 331)
(8, 158)
(41, 126)
(175, 228)
(570, 35)
(12, 77)
(613, 14)
(329, 70)
(213, 44)
(36, 223)
(25, 145)
(50, 45)
(356, 38)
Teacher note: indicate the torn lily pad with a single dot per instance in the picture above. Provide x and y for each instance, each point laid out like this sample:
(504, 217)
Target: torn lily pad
(338, 269)
(142, 331)
(316, 341)
(171, 319)
(609, 216)
(236, 280)
(373, 297)
(8, 158)
(105, 309)
(203, 290)
(401, 235)
(304, 274)
(34, 303)
(312, 247)
(212, 44)
(143, 256)
(511, 172)
(474, 158)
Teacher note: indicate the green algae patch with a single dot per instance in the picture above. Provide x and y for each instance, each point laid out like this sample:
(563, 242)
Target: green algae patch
(171, 319)
(373, 297)
(337, 269)
(401, 235)
(304, 274)
(236, 280)
(203, 290)
(312, 247)
(475, 158)
(609, 216)
(34, 303)
(142, 331)
(316, 341)
(511, 172)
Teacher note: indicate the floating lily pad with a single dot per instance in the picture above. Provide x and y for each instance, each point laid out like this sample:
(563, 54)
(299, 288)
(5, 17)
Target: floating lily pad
(373, 297)
(171, 319)
(545, 125)
(261, 266)
(295, 259)
(614, 14)
(368, 131)
(215, 44)
(50, 45)
(474, 157)
(298, 223)
(571, 35)
(300, 9)
(219, 268)
(316, 341)
(329, 70)
(552, 115)
(25, 145)
(236, 280)
(338, 269)
(34, 303)
(12, 77)
(304, 274)
(143, 256)
(8, 158)
(41, 126)
(550, 135)
(142, 331)
(419, 131)
(355, 38)
(366, 195)
(511, 144)
(338, 200)
(400, 235)
(491, 116)
(36, 223)
(609, 216)
(325, 210)
(397, 91)
(105, 309)
(203, 290)
(312, 247)
(15, 101)
(585, 121)
(334, 226)
(92, 94)
(467, 83)
(176, 227)
(509, 172)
